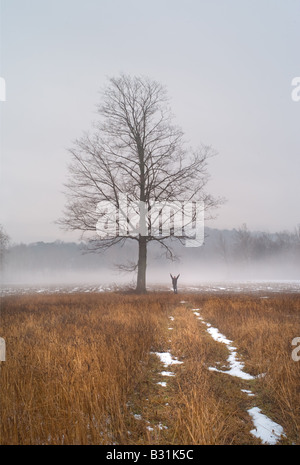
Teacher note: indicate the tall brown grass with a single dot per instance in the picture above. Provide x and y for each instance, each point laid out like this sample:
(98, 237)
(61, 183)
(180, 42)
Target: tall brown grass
(71, 363)
(80, 367)
(262, 328)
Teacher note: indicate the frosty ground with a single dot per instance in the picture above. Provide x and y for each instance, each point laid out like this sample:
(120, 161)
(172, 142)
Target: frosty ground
(292, 286)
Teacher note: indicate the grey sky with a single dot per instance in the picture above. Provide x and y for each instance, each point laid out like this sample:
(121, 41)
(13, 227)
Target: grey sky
(227, 65)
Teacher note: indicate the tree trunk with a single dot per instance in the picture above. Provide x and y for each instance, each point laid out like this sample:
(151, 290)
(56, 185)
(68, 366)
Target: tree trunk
(142, 263)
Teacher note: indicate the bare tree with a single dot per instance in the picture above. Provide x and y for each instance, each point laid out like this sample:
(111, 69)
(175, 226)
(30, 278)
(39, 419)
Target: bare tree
(136, 151)
(243, 243)
(223, 247)
(4, 243)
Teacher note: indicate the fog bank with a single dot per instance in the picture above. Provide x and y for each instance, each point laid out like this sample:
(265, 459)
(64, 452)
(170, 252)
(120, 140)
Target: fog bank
(226, 256)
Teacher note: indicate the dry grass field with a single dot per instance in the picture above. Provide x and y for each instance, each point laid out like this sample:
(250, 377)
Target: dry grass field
(84, 368)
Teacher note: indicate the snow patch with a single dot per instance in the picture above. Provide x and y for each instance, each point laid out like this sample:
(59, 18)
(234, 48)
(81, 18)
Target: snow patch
(249, 393)
(161, 426)
(236, 366)
(166, 358)
(265, 429)
(162, 383)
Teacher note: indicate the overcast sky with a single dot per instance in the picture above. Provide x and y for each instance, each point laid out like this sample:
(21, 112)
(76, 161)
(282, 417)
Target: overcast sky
(227, 65)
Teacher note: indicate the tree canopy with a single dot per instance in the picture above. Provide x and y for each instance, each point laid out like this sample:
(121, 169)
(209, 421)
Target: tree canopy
(135, 150)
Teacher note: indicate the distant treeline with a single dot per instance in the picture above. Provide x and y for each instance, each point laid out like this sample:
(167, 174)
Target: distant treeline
(242, 245)
(222, 250)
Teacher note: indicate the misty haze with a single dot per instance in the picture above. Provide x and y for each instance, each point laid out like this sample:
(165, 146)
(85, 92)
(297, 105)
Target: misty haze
(234, 258)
